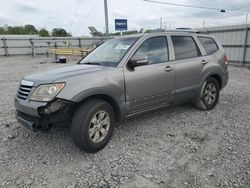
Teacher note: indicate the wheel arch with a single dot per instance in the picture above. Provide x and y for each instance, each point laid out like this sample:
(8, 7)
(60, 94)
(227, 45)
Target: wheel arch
(213, 73)
(106, 98)
(115, 100)
(218, 78)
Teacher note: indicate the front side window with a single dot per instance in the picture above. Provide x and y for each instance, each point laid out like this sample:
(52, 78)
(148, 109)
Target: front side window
(209, 45)
(110, 53)
(155, 49)
(185, 47)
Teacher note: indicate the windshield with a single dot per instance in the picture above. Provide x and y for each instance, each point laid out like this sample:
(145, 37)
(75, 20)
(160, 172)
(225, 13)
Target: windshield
(109, 53)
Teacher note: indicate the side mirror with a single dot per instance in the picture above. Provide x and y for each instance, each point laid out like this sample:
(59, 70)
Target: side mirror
(138, 61)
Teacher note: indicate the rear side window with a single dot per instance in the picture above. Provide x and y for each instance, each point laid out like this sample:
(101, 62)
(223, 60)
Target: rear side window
(209, 45)
(185, 47)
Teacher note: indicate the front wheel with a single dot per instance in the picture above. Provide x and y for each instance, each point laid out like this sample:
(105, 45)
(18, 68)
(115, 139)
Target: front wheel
(92, 125)
(209, 94)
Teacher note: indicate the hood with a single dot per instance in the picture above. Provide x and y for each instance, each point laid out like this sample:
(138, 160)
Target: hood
(64, 72)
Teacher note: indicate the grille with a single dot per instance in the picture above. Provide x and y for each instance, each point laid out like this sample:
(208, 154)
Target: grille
(24, 89)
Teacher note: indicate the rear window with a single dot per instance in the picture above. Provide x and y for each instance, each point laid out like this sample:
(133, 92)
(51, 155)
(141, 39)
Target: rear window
(185, 47)
(209, 45)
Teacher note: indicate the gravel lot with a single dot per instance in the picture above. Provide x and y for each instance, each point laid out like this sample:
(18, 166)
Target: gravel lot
(176, 147)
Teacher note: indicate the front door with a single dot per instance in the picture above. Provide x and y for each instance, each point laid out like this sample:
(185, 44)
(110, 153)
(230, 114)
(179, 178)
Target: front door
(150, 86)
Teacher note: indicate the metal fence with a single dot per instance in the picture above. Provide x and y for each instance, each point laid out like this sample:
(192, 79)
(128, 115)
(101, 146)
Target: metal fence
(235, 40)
(22, 45)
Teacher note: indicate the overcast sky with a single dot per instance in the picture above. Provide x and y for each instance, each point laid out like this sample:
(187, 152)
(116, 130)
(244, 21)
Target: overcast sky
(76, 15)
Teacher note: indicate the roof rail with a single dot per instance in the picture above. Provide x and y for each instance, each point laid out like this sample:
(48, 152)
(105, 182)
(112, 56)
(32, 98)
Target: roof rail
(189, 31)
(181, 30)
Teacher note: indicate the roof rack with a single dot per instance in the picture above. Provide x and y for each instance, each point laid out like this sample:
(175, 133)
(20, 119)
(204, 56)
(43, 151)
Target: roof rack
(182, 30)
(189, 31)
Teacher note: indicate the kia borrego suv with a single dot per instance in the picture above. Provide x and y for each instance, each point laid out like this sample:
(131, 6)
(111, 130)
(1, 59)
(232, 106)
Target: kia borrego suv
(122, 77)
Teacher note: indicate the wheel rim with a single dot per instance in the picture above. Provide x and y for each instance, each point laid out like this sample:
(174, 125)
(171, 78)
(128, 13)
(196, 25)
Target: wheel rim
(99, 126)
(210, 93)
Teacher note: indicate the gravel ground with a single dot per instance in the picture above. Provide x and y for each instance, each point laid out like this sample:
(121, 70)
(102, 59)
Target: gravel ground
(176, 147)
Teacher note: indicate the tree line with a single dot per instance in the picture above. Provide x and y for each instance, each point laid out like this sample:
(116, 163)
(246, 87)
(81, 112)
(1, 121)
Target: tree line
(134, 32)
(32, 30)
(56, 32)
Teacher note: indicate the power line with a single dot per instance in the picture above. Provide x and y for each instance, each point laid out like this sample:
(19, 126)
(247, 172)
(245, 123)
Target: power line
(90, 12)
(238, 9)
(200, 7)
(184, 5)
(75, 12)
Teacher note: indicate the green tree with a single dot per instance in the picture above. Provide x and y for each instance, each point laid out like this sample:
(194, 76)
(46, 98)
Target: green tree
(43, 32)
(124, 33)
(30, 29)
(69, 34)
(59, 32)
(115, 34)
(148, 31)
(130, 32)
(15, 30)
(2, 31)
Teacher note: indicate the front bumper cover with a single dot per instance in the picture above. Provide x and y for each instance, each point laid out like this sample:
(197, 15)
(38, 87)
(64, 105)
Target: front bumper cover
(45, 115)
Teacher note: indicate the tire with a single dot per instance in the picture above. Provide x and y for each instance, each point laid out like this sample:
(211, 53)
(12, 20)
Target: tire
(209, 94)
(92, 125)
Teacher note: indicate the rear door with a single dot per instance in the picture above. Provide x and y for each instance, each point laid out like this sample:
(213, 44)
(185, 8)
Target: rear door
(150, 86)
(189, 64)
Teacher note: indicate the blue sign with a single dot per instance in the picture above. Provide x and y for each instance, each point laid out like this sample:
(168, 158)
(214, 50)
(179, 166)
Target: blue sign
(121, 24)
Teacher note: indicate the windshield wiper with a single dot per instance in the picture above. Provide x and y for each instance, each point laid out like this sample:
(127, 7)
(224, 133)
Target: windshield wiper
(91, 63)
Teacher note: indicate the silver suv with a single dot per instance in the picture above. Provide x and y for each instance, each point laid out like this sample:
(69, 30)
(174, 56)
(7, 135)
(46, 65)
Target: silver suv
(124, 76)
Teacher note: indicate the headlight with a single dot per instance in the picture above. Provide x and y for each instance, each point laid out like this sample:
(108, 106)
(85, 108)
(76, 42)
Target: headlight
(47, 92)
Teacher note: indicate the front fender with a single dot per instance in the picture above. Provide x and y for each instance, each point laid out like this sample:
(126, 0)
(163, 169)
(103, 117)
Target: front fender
(115, 94)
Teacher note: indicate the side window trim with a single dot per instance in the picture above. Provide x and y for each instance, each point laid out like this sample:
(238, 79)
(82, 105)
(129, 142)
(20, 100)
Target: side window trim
(199, 51)
(167, 45)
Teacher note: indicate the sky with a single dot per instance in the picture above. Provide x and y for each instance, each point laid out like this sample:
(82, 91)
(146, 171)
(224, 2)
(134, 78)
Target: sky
(76, 15)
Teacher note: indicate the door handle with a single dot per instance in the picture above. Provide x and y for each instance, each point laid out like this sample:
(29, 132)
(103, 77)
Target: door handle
(204, 62)
(168, 68)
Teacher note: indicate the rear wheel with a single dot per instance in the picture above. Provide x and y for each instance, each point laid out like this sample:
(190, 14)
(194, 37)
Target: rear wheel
(209, 94)
(92, 125)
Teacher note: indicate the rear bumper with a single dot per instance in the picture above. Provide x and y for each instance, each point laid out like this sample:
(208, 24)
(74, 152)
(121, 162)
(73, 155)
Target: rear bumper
(43, 116)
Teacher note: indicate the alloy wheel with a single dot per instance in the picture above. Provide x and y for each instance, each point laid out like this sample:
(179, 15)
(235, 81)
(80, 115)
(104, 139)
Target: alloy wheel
(99, 126)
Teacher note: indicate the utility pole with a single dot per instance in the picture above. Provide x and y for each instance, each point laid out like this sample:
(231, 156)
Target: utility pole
(246, 19)
(203, 24)
(161, 23)
(106, 18)
(165, 25)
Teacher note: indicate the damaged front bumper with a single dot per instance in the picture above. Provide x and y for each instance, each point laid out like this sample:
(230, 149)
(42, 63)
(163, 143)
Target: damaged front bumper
(41, 116)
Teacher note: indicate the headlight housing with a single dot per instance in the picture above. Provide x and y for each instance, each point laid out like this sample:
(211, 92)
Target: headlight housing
(46, 92)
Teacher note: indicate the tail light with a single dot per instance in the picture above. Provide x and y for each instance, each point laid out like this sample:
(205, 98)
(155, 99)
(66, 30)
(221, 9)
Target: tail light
(225, 60)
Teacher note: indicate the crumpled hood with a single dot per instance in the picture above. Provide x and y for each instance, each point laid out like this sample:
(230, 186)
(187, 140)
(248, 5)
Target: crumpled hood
(64, 72)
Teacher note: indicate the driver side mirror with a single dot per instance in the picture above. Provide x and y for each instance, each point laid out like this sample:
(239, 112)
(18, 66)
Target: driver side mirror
(137, 61)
